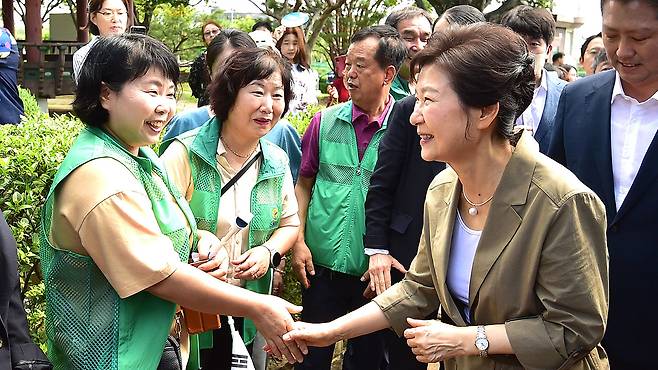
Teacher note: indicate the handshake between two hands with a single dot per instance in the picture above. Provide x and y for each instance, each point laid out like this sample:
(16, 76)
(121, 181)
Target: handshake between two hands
(430, 340)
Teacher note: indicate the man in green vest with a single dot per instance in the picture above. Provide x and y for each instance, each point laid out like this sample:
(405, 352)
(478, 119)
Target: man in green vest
(415, 27)
(339, 152)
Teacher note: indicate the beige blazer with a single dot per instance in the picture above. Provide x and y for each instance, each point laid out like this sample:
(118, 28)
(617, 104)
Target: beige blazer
(541, 267)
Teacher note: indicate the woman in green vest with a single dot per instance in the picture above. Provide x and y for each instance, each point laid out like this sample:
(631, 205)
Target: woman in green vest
(226, 159)
(116, 235)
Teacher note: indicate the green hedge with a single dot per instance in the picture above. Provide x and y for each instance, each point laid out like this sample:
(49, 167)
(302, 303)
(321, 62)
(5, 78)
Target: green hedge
(30, 154)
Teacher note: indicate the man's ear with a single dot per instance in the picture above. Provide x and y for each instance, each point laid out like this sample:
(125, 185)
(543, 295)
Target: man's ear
(389, 75)
(105, 96)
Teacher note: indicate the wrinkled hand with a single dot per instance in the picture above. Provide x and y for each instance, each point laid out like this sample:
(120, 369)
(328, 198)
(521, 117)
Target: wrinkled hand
(273, 320)
(302, 262)
(209, 246)
(313, 335)
(379, 272)
(252, 264)
(434, 341)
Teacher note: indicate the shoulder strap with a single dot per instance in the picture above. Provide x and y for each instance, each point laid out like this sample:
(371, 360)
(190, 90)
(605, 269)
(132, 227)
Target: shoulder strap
(239, 174)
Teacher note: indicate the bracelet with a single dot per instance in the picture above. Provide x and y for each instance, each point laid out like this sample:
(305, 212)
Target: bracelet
(276, 269)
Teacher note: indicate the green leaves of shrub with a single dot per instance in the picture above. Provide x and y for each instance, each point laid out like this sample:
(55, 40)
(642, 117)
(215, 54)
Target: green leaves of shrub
(30, 154)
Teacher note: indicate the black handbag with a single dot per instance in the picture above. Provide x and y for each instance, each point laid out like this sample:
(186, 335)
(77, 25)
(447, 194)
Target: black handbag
(171, 357)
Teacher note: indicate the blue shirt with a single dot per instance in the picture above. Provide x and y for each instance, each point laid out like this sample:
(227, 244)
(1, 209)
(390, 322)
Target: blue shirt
(12, 105)
(283, 134)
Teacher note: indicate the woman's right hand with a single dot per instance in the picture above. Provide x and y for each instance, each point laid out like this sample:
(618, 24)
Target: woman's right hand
(272, 319)
(209, 247)
(315, 335)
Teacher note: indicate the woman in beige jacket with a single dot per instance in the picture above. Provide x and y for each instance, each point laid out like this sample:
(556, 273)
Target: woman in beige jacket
(513, 249)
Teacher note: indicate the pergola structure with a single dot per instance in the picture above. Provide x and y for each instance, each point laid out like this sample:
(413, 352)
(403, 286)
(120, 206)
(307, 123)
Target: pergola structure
(46, 67)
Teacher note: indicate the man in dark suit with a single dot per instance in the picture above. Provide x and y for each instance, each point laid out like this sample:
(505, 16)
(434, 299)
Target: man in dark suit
(605, 133)
(17, 351)
(537, 27)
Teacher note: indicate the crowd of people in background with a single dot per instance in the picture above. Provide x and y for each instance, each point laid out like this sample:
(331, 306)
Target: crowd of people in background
(464, 198)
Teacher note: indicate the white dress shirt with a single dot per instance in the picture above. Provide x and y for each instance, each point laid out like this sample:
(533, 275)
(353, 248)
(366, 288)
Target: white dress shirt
(633, 126)
(532, 115)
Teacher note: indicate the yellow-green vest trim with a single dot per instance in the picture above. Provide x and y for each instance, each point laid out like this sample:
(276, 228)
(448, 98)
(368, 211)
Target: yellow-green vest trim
(336, 213)
(88, 325)
(266, 197)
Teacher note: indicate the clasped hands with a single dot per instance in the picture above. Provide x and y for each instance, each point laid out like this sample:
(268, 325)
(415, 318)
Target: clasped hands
(251, 265)
(430, 340)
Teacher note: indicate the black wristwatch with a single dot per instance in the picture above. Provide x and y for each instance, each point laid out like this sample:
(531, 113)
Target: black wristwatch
(275, 256)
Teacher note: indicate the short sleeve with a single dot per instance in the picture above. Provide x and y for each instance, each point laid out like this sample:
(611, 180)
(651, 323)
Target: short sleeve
(311, 148)
(177, 164)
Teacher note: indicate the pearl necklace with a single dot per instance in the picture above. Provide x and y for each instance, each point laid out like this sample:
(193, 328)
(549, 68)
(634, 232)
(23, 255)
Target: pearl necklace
(473, 209)
(234, 152)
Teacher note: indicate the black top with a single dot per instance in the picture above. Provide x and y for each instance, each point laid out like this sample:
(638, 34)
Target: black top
(394, 206)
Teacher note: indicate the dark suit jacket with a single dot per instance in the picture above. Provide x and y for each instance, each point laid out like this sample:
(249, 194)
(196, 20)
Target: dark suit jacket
(15, 342)
(554, 89)
(394, 205)
(581, 142)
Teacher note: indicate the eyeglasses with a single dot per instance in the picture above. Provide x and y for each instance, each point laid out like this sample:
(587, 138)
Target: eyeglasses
(211, 33)
(107, 14)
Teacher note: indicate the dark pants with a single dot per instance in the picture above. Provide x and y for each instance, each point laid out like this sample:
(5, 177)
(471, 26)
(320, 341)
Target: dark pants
(331, 295)
(399, 354)
(219, 356)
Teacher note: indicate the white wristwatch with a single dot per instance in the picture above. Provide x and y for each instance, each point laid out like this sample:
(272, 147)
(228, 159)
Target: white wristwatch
(481, 341)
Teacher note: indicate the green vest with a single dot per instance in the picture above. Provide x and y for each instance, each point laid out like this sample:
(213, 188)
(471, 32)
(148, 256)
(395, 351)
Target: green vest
(87, 324)
(336, 213)
(400, 88)
(266, 198)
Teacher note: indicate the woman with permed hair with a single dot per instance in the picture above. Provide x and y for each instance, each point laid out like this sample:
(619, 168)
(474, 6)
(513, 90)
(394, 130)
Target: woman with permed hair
(226, 169)
(513, 248)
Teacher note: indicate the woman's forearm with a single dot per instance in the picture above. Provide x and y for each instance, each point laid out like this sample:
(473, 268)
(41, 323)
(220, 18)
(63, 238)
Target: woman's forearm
(365, 320)
(195, 289)
(283, 238)
(499, 343)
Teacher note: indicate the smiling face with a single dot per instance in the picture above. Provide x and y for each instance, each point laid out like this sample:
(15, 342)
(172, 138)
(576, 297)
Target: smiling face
(140, 110)
(630, 36)
(439, 117)
(415, 32)
(111, 19)
(289, 47)
(258, 107)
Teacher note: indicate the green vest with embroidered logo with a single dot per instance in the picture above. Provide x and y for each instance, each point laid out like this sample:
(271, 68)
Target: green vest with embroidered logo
(266, 204)
(88, 325)
(336, 213)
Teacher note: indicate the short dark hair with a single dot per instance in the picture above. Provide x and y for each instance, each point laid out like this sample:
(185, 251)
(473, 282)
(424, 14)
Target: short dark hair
(486, 64)
(95, 6)
(557, 56)
(569, 67)
(262, 23)
(115, 61)
(583, 47)
(461, 15)
(410, 12)
(245, 66)
(228, 37)
(391, 50)
(534, 22)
